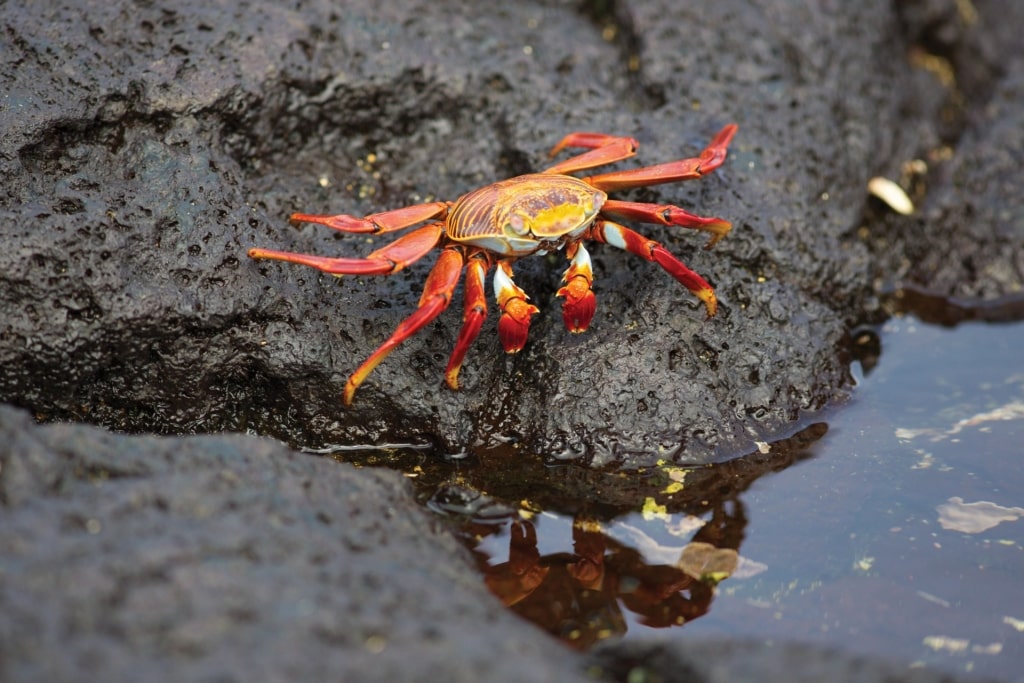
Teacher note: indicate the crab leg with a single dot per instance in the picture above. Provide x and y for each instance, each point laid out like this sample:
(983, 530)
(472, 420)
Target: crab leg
(622, 237)
(604, 149)
(437, 294)
(666, 214)
(674, 171)
(473, 317)
(385, 261)
(580, 304)
(514, 324)
(385, 221)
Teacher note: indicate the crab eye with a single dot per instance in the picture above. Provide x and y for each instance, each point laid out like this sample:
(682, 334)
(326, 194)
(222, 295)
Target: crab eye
(517, 225)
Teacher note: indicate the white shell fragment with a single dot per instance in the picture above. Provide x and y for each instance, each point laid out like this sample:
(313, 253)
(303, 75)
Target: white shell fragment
(894, 196)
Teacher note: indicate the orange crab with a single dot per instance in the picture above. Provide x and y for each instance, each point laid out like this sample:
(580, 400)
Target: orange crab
(535, 213)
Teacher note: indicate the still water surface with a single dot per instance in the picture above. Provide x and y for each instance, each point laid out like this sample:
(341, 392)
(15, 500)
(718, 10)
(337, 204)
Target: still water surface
(898, 533)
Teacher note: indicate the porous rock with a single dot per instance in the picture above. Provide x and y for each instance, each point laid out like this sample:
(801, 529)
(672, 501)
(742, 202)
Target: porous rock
(149, 147)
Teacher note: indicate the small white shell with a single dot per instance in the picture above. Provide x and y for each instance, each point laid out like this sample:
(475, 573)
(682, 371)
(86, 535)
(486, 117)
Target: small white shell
(894, 196)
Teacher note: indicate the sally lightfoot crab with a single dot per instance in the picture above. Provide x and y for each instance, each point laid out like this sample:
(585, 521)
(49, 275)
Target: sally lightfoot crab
(495, 225)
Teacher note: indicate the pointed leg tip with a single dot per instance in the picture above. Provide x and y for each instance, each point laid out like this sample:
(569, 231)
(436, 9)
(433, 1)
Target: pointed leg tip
(711, 305)
(341, 222)
(713, 240)
(262, 254)
(451, 379)
(718, 229)
(710, 300)
(349, 394)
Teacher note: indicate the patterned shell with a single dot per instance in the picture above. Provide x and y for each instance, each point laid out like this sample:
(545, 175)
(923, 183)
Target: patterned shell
(525, 214)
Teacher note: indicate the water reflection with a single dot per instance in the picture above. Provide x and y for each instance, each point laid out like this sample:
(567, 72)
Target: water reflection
(584, 553)
(938, 309)
(579, 594)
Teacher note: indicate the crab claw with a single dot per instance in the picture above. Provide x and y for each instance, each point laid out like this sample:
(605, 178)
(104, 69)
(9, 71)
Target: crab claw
(580, 304)
(514, 324)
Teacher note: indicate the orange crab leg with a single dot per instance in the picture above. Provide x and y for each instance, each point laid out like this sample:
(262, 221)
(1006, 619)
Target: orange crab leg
(386, 221)
(437, 294)
(666, 214)
(385, 261)
(622, 237)
(579, 305)
(514, 324)
(473, 317)
(674, 171)
(604, 149)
